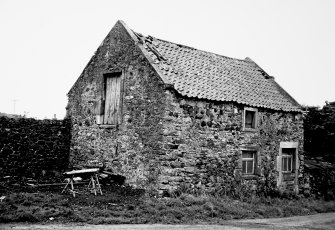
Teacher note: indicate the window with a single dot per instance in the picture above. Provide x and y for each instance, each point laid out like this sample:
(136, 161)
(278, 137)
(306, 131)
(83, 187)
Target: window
(109, 107)
(249, 119)
(287, 159)
(288, 164)
(248, 162)
(112, 98)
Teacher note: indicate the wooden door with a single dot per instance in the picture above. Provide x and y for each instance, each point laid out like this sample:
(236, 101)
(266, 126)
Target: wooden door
(113, 100)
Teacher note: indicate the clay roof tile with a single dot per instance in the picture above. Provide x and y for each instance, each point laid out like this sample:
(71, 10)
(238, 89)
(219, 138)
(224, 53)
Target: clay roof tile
(201, 74)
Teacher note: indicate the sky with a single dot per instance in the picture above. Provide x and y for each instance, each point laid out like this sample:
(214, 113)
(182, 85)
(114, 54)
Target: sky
(45, 45)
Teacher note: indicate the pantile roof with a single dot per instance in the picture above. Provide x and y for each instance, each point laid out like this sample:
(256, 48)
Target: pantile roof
(200, 74)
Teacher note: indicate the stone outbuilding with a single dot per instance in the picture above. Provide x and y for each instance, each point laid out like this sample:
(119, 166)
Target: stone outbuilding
(171, 117)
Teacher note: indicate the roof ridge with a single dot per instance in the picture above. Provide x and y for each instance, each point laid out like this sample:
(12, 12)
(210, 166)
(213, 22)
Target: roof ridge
(281, 89)
(263, 72)
(190, 47)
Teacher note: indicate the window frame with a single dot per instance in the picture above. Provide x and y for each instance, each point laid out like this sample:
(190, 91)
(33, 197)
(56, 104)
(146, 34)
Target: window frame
(100, 103)
(255, 123)
(295, 162)
(256, 160)
(252, 159)
(289, 166)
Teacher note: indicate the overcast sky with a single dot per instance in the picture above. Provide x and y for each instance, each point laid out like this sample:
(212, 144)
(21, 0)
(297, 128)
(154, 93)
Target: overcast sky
(45, 45)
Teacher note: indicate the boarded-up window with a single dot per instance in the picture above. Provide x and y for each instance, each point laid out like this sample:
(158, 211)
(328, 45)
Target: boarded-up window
(113, 98)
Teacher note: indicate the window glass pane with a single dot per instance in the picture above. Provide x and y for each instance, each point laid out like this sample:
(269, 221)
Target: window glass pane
(289, 155)
(289, 164)
(284, 164)
(244, 167)
(247, 154)
(248, 162)
(250, 167)
(288, 151)
(249, 119)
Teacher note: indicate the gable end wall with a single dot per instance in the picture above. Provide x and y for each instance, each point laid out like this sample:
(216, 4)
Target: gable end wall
(130, 148)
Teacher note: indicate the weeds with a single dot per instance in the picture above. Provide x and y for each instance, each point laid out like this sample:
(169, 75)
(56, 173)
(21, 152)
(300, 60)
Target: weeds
(115, 207)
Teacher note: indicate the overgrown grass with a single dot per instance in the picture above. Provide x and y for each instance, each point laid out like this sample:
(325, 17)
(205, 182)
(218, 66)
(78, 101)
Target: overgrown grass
(128, 207)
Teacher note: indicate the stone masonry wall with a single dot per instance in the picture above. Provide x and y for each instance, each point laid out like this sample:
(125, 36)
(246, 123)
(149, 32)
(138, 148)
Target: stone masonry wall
(33, 148)
(131, 148)
(165, 141)
(203, 140)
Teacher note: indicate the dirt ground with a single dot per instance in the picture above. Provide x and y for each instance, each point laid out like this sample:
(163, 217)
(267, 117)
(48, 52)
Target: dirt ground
(318, 221)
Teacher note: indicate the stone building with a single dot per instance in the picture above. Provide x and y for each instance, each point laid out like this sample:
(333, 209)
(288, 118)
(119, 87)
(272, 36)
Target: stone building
(169, 117)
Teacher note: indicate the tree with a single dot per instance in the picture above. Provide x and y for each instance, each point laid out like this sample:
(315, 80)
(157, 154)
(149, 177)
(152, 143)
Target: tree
(319, 132)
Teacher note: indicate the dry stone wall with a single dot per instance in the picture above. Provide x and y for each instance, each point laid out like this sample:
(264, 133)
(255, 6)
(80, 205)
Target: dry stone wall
(34, 148)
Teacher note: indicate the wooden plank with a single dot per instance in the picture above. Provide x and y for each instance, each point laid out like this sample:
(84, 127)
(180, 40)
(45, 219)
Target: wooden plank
(82, 171)
(121, 97)
(117, 112)
(112, 104)
(56, 184)
(109, 82)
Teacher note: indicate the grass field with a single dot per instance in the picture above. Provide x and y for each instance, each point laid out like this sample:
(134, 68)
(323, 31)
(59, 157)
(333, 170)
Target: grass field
(124, 205)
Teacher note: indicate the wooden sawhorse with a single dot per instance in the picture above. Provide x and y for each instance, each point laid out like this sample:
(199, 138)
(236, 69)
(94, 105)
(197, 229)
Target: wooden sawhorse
(93, 186)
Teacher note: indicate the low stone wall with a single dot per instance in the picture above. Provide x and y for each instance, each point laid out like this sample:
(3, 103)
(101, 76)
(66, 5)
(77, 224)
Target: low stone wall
(33, 148)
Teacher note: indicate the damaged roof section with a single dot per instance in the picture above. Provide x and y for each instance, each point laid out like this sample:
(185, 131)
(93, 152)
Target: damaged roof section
(204, 75)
